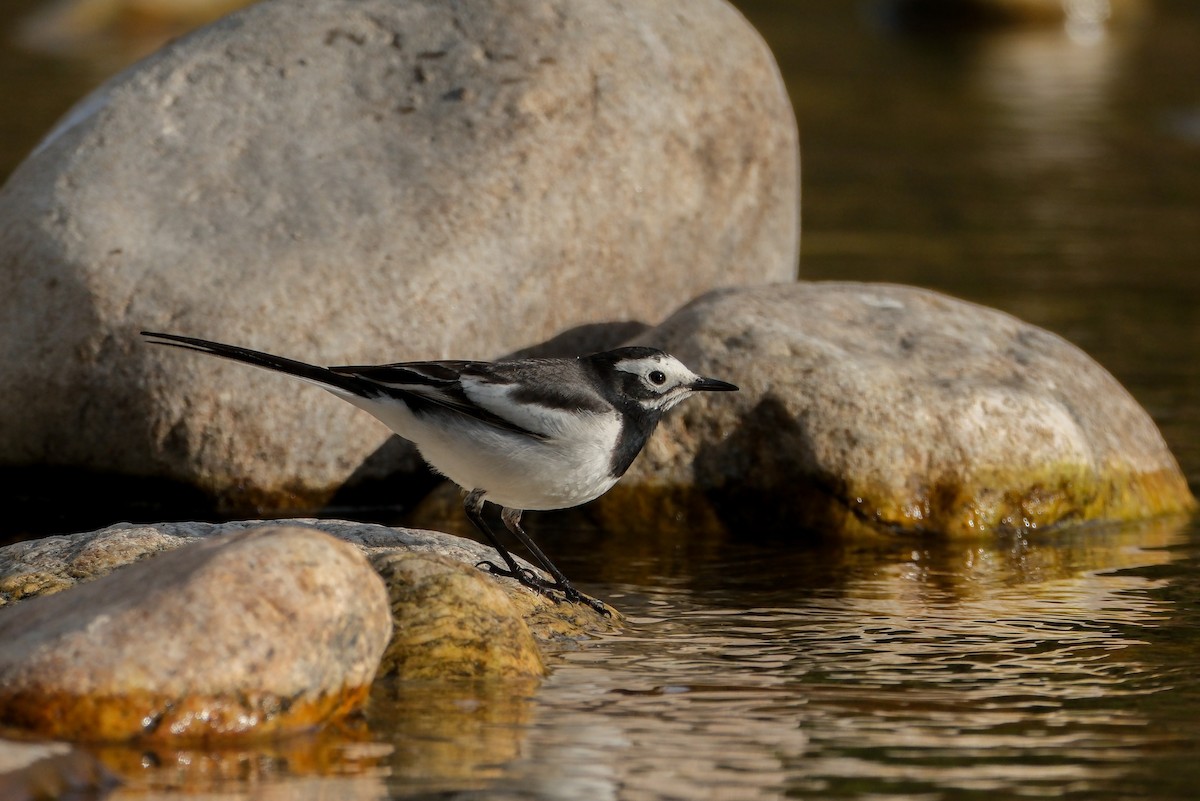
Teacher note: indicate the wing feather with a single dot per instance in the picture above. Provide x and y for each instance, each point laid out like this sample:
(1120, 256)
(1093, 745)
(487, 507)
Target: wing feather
(426, 386)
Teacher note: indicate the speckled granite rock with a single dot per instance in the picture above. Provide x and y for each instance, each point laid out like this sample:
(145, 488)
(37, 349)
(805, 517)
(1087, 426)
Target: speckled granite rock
(266, 631)
(447, 613)
(355, 181)
(880, 408)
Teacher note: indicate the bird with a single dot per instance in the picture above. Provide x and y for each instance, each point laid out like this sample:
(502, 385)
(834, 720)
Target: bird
(522, 434)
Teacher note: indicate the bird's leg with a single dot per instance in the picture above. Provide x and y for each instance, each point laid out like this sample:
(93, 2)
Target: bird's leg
(474, 509)
(512, 521)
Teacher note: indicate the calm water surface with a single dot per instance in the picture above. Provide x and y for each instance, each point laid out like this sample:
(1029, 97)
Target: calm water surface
(1061, 665)
(1057, 179)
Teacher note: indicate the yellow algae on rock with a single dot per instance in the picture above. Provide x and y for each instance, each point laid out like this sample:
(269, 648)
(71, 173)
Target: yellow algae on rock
(454, 620)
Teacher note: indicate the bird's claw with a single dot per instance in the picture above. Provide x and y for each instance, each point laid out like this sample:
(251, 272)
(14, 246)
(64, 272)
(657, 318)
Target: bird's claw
(576, 597)
(524, 576)
(521, 574)
(527, 578)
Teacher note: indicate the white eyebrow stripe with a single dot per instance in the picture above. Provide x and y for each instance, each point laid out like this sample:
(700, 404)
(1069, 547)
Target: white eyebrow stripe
(628, 365)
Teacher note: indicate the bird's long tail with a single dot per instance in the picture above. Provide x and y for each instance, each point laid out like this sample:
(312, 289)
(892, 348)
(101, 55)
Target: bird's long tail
(343, 385)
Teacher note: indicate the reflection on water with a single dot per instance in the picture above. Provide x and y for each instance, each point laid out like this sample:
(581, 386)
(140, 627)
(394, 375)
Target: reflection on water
(952, 668)
(337, 763)
(1032, 666)
(1051, 96)
(452, 736)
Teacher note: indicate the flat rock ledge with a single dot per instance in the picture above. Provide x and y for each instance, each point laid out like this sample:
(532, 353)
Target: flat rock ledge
(136, 651)
(875, 408)
(265, 631)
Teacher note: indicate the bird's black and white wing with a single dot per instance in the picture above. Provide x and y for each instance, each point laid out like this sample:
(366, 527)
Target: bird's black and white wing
(434, 387)
(553, 397)
(529, 397)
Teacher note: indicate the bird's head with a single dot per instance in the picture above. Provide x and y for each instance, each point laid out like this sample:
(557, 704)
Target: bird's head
(652, 379)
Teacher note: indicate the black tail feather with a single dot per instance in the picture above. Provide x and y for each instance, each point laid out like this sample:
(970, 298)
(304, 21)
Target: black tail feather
(309, 372)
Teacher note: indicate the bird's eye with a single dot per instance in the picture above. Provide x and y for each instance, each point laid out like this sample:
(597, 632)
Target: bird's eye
(658, 377)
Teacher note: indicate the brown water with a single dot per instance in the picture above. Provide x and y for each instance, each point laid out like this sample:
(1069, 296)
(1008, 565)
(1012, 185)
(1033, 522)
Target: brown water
(1057, 666)
(1054, 178)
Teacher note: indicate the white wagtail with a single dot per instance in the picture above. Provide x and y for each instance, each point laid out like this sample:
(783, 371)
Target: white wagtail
(522, 434)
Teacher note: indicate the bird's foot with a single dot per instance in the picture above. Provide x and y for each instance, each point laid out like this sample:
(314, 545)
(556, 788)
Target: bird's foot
(527, 578)
(576, 597)
(524, 576)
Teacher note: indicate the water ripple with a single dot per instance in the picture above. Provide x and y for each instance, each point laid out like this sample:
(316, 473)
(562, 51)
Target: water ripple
(1026, 679)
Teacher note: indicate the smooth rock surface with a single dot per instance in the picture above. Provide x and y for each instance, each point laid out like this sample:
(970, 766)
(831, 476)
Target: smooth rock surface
(271, 630)
(445, 596)
(357, 181)
(881, 408)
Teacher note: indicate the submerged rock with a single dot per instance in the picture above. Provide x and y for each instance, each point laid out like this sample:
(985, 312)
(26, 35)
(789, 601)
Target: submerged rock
(371, 181)
(30, 771)
(266, 631)
(880, 408)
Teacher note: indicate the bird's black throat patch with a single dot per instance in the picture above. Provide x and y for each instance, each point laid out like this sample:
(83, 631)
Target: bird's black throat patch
(637, 424)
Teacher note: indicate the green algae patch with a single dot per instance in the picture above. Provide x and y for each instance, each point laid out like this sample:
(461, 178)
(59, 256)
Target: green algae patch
(1004, 501)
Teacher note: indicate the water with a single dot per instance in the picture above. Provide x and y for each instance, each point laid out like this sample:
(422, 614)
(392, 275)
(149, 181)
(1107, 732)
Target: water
(1061, 665)
(1004, 670)
(1054, 178)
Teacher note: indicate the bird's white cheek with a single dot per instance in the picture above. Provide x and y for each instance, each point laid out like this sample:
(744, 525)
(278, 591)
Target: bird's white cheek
(667, 402)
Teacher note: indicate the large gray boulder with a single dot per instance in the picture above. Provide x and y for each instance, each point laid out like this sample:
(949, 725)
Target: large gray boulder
(874, 408)
(366, 181)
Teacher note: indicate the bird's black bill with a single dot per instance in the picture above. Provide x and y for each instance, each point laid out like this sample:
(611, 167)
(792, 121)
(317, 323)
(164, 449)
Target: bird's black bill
(713, 385)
